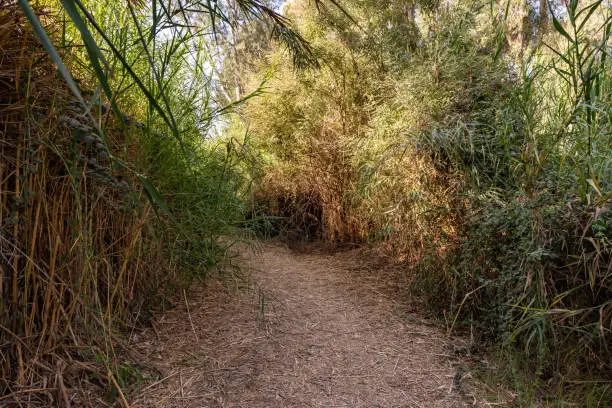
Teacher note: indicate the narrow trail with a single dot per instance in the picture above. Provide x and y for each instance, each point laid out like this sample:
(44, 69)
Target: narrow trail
(315, 330)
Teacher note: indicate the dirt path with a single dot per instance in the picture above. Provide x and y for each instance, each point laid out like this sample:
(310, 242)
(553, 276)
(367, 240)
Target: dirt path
(317, 330)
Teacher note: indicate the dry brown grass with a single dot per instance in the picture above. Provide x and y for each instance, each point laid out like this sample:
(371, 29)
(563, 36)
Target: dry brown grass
(409, 208)
(72, 230)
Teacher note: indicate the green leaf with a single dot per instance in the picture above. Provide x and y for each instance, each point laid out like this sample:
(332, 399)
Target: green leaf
(560, 29)
(592, 8)
(94, 53)
(153, 194)
(573, 5)
(48, 46)
(563, 57)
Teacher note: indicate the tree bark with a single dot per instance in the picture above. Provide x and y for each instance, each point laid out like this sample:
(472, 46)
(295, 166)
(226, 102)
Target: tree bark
(543, 23)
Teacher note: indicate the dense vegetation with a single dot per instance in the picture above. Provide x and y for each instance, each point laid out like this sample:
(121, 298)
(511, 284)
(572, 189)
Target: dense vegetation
(471, 141)
(112, 193)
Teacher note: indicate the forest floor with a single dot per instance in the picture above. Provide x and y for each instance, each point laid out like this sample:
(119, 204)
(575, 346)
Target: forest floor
(308, 329)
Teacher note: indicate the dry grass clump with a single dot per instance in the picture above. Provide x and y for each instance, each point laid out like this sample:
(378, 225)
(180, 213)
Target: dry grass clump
(75, 253)
(329, 198)
(311, 196)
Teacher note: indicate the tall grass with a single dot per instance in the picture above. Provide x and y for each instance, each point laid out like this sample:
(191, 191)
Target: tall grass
(75, 230)
(540, 200)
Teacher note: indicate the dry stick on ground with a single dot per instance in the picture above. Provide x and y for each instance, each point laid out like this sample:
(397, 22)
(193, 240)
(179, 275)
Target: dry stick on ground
(60, 381)
(189, 314)
(119, 390)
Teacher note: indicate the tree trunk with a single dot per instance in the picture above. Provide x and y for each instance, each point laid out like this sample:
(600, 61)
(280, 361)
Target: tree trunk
(543, 23)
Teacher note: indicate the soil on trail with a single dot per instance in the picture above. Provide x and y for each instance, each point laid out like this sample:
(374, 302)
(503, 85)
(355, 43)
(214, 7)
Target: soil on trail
(313, 330)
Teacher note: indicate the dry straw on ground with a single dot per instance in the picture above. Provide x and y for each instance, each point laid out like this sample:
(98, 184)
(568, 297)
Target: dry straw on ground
(314, 330)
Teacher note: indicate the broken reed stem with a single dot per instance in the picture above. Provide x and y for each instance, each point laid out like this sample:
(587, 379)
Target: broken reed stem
(60, 382)
(2, 205)
(189, 315)
(119, 390)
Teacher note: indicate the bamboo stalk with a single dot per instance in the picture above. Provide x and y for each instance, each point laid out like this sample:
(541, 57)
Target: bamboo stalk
(29, 272)
(50, 288)
(119, 390)
(15, 287)
(2, 205)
